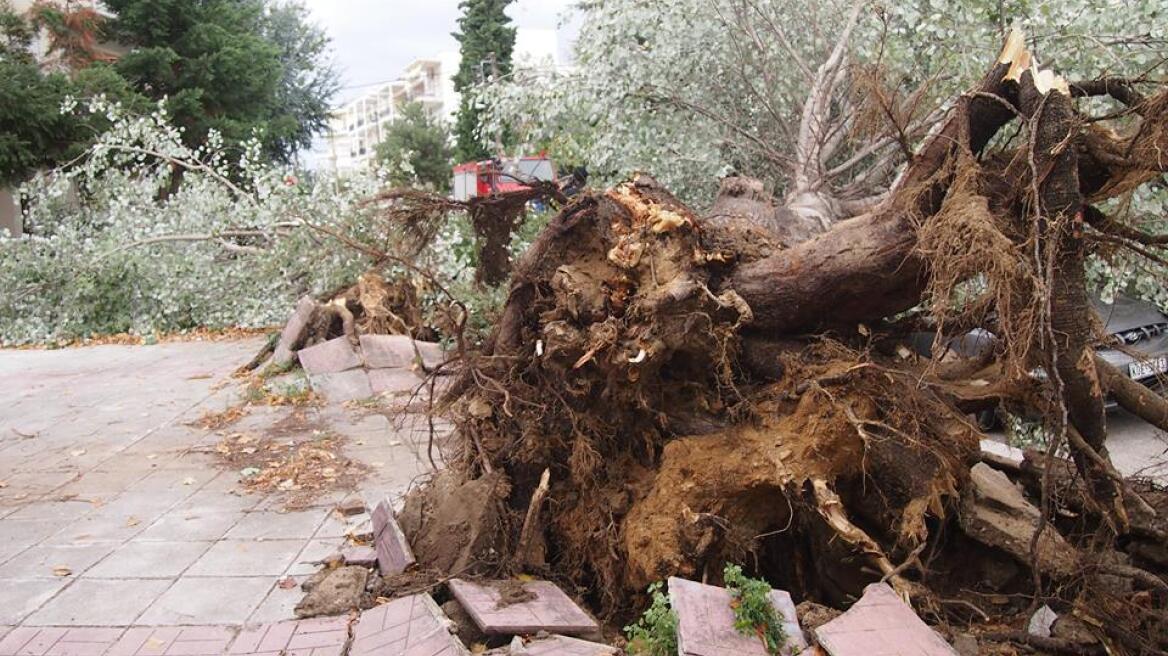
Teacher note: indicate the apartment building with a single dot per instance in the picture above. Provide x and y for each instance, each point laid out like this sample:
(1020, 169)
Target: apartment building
(358, 126)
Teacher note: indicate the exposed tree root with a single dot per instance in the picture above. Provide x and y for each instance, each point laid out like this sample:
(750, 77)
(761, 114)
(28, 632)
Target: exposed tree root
(689, 391)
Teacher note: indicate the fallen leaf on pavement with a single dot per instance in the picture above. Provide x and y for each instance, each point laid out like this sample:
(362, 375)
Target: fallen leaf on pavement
(286, 583)
(188, 481)
(61, 570)
(132, 521)
(77, 452)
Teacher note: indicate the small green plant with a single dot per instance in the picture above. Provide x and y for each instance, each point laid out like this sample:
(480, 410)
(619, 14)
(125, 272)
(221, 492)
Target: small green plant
(753, 612)
(655, 633)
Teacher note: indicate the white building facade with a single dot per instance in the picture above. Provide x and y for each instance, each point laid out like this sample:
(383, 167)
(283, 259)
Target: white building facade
(358, 126)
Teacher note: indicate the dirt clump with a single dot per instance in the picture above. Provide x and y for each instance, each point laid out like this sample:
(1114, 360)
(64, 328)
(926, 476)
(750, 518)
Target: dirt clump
(337, 593)
(511, 592)
(453, 526)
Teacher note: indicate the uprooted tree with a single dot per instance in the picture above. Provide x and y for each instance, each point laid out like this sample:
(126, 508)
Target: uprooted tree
(665, 392)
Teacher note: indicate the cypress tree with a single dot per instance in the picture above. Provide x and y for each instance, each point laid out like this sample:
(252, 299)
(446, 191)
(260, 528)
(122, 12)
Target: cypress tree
(485, 31)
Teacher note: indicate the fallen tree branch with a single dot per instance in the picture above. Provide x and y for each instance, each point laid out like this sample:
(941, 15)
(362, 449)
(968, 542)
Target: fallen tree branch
(527, 555)
(1132, 396)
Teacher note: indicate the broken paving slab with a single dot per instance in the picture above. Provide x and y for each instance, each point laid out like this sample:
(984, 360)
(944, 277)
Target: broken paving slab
(294, 331)
(705, 622)
(352, 385)
(394, 554)
(398, 351)
(409, 626)
(359, 556)
(547, 608)
(880, 624)
(334, 356)
(558, 645)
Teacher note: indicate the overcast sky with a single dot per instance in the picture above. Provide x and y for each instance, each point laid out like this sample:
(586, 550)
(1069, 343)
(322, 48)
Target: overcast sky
(373, 40)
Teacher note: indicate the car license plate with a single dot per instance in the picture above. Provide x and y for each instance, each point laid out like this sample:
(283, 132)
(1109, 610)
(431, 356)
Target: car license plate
(1150, 367)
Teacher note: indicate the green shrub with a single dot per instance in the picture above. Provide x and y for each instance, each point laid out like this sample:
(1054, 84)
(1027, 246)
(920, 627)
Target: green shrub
(754, 615)
(655, 633)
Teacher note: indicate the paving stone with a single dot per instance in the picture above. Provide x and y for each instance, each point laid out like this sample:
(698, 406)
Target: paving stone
(280, 603)
(247, 558)
(351, 506)
(329, 357)
(394, 555)
(325, 636)
(359, 556)
(149, 560)
(207, 600)
(551, 610)
(41, 560)
(880, 624)
(409, 626)
(190, 524)
(558, 645)
(392, 382)
(293, 330)
(706, 622)
(20, 534)
(99, 602)
(58, 641)
(397, 351)
(352, 385)
(309, 559)
(19, 597)
(64, 510)
(173, 641)
(270, 525)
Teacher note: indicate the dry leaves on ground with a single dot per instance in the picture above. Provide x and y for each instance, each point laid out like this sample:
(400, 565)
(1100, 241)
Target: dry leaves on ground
(300, 467)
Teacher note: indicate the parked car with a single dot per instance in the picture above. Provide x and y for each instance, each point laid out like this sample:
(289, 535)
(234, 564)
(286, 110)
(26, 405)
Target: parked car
(1139, 347)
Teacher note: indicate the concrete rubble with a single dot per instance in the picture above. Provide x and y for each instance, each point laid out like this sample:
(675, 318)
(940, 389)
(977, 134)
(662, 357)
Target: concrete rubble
(998, 515)
(337, 593)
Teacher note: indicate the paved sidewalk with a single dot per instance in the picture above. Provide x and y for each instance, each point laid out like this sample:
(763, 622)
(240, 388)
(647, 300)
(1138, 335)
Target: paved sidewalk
(113, 513)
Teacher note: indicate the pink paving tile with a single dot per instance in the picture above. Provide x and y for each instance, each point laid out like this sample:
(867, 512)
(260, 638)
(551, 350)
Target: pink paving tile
(313, 637)
(329, 357)
(398, 351)
(410, 626)
(394, 555)
(551, 610)
(705, 622)
(58, 641)
(173, 641)
(880, 624)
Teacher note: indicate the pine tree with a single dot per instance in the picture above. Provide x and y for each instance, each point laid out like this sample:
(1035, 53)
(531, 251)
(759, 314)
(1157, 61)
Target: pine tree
(486, 35)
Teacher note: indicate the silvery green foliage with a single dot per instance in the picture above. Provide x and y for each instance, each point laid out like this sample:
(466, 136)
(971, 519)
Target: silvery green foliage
(691, 89)
(89, 265)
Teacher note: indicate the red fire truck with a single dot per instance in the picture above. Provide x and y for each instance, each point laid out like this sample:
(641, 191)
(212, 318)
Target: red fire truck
(492, 176)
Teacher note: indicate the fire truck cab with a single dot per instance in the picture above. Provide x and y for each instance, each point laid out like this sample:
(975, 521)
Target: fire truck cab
(493, 176)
